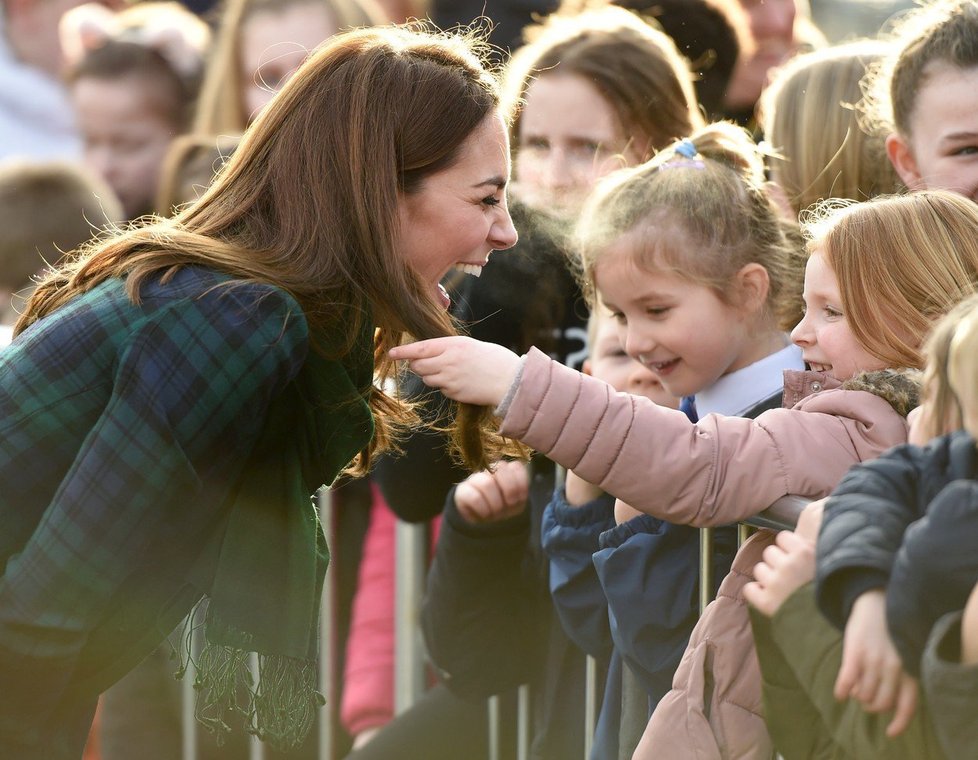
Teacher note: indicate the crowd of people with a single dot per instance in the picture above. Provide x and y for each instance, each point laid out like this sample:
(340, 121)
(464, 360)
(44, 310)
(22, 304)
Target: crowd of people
(567, 282)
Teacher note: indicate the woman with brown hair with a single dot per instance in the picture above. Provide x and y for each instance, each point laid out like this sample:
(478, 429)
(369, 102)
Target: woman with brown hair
(589, 93)
(190, 383)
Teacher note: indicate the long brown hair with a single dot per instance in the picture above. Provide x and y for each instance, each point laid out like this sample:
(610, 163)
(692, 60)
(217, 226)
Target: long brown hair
(308, 202)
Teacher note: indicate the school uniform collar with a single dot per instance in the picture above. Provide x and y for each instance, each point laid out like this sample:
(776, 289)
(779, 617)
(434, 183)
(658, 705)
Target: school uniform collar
(734, 394)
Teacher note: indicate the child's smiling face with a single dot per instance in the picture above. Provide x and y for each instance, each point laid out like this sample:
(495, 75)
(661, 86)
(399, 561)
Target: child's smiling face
(608, 361)
(679, 328)
(826, 339)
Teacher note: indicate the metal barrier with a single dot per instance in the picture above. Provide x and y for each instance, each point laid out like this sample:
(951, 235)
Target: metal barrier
(411, 564)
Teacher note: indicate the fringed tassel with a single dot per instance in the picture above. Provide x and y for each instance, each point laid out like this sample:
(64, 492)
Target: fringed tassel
(222, 678)
(286, 700)
(280, 709)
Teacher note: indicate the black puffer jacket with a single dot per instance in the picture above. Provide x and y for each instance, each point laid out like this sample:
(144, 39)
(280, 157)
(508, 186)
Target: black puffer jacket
(903, 522)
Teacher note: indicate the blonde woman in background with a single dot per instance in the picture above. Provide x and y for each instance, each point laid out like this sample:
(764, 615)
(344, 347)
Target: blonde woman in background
(811, 119)
(259, 46)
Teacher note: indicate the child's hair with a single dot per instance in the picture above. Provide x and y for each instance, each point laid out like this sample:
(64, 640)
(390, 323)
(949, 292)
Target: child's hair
(47, 210)
(962, 366)
(949, 388)
(161, 42)
(810, 120)
(598, 313)
(710, 189)
(901, 262)
(636, 68)
(943, 31)
(221, 109)
(192, 162)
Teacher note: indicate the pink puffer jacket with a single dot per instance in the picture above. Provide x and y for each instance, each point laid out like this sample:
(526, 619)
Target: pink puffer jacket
(720, 470)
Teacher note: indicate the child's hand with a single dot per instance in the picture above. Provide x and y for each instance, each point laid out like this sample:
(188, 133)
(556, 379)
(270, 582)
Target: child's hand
(486, 496)
(624, 512)
(464, 369)
(788, 564)
(578, 491)
(810, 520)
(872, 671)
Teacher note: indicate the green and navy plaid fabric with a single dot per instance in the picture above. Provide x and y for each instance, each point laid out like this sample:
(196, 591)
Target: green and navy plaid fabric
(122, 431)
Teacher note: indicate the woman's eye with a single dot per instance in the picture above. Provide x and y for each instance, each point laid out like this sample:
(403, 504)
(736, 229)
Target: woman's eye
(536, 143)
(586, 149)
(830, 312)
(491, 200)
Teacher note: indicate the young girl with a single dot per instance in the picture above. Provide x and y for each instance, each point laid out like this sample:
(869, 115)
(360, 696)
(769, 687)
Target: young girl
(912, 564)
(192, 382)
(592, 92)
(926, 96)
(259, 45)
(133, 79)
(488, 620)
(871, 295)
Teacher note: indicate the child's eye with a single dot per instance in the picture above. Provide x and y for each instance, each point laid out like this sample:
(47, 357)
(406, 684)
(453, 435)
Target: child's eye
(618, 317)
(967, 150)
(657, 311)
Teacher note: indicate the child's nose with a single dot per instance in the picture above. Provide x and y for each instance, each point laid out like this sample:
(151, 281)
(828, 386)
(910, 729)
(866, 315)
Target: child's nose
(638, 345)
(802, 334)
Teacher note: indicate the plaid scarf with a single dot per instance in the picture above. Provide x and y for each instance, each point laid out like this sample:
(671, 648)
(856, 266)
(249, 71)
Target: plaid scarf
(268, 583)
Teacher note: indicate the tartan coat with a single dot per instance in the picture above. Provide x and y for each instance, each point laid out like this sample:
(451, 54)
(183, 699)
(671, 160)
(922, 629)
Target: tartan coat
(123, 429)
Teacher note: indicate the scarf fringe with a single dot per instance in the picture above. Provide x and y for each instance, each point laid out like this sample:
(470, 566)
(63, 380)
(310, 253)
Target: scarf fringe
(279, 707)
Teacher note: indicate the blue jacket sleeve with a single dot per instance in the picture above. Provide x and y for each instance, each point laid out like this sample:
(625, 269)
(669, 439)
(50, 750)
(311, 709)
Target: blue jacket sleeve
(570, 538)
(649, 570)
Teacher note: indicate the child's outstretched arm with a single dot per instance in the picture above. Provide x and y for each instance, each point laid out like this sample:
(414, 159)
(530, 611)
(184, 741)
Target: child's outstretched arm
(464, 369)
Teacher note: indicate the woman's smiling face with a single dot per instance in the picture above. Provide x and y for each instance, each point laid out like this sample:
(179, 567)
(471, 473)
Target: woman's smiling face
(459, 214)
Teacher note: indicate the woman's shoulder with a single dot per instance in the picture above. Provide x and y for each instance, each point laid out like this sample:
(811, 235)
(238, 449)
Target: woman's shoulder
(205, 299)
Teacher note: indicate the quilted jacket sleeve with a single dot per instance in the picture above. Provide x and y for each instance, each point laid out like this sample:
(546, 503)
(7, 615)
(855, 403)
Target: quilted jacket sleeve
(718, 471)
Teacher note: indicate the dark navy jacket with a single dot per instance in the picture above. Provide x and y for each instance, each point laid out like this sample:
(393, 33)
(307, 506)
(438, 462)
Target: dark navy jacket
(906, 522)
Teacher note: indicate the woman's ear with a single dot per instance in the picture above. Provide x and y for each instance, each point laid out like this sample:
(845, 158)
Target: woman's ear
(753, 285)
(901, 156)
